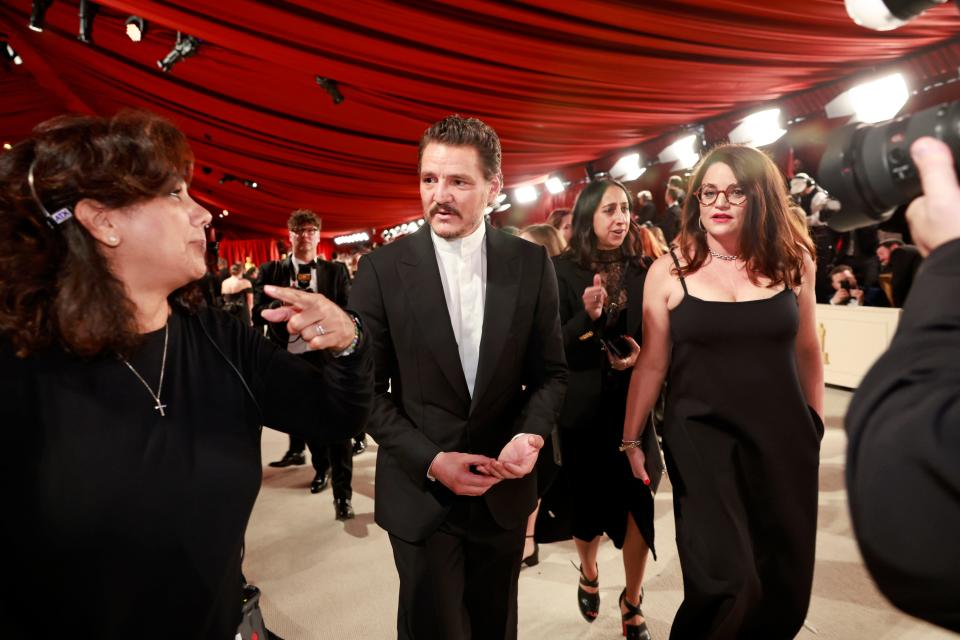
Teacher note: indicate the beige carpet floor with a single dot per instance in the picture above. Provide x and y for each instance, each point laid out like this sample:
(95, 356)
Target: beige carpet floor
(324, 579)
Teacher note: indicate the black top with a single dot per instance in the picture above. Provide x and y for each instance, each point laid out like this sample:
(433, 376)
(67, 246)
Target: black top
(903, 458)
(127, 524)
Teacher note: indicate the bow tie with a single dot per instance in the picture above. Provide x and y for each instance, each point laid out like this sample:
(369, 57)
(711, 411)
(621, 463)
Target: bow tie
(312, 263)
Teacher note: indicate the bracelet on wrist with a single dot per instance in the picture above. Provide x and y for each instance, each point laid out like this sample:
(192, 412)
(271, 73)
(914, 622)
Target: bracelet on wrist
(357, 334)
(629, 444)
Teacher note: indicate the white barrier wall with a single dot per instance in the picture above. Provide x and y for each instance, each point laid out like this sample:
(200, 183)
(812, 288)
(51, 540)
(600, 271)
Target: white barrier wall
(851, 340)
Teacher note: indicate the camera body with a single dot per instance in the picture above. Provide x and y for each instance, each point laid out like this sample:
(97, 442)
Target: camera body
(868, 167)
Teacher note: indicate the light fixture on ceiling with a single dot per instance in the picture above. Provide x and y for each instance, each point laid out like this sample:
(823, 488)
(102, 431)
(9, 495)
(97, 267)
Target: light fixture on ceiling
(10, 55)
(253, 184)
(185, 47)
(37, 13)
(627, 168)
(331, 87)
(555, 185)
(352, 238)
(88, 11)
(225, 213)
(873, 101)
(683, 153)
(884, 15)
(7, 146)
(758, 129)
(136, 28)
(525, 194)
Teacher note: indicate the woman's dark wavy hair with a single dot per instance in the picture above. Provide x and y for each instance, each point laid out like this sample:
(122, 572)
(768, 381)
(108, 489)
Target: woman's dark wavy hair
(57, 288)
(773, 240)
(583, 243)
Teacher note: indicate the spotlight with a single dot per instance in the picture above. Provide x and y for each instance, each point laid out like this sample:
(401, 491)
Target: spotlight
(185, 47)
(758, 129)
(555, 185)
(873, 101)
(37, 13)
(352, 238)
(627, 168)
(225, 213)
(525, 194)
(251, 183)
(136, 27)
(7, 146)
(683, 152)
(11, 55)
(332, 88)
(884, 15)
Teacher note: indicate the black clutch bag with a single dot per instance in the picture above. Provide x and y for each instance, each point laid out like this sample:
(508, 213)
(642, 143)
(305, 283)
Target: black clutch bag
(652, 456)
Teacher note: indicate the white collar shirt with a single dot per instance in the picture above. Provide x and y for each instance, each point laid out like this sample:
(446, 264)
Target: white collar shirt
(297, 344)
(463, 272)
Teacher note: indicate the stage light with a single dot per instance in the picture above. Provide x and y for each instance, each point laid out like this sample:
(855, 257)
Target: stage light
(332, 88)
(525, 194)
(352, 238)
(683, 152)
(7, 146)
(225, 213)
(884, 15)
(185, 47)
(11, 55)
(136, 28)
(555, 185)
(758, 129)
(873, 101)
(37, 14)
(627, 168)
(88, 11)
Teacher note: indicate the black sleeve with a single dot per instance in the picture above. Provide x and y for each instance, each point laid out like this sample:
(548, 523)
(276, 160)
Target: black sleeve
(903, 466)
(342, 284)
(576, 324)
(313, 394)
(545, 360)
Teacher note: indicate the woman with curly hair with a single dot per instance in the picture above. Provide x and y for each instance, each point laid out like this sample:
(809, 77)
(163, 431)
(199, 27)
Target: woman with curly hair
(135, 412)
(728, 319)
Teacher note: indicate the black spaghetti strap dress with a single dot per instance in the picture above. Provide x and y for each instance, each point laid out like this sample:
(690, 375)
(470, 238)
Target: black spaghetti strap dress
(742, 449)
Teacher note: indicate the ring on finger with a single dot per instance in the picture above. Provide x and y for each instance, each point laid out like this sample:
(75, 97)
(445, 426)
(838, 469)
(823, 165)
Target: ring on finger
(320, 330)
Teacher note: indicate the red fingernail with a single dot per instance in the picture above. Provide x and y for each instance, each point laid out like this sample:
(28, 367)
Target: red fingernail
(646, 481)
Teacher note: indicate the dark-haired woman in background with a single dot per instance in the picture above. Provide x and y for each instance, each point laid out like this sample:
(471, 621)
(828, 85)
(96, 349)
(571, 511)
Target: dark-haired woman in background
(132, 414)
(600, 279)
(238, 295)
(731, 312)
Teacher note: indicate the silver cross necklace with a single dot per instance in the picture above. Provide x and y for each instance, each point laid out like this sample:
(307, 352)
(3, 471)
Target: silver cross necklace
(163, 366)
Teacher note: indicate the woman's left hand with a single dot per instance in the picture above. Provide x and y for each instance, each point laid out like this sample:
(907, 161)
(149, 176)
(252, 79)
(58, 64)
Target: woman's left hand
(318, 320)
(621, 364)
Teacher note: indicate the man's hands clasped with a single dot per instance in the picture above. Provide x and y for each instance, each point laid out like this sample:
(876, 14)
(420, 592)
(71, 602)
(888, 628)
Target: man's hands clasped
(469, 474)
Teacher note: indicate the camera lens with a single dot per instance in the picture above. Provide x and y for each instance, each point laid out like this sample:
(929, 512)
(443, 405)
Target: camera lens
(868, 167)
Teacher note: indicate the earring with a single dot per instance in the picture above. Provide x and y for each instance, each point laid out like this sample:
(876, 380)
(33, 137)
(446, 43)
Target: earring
(700, 222)
(113, 241)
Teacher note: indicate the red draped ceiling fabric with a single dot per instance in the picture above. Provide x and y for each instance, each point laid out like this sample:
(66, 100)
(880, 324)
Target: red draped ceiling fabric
(564, 83)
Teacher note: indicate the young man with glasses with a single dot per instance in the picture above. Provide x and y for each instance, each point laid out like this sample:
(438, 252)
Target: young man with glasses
(303, 270)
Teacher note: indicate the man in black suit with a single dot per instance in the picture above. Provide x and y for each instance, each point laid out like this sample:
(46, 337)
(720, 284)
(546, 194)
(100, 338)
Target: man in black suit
(305, 271)
(470, 376)
(903, 456)
(900, 261)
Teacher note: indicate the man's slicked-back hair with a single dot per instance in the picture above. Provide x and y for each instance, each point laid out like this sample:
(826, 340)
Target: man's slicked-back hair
(457, 131)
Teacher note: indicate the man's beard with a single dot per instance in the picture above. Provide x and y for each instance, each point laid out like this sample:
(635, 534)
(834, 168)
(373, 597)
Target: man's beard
(447, 209)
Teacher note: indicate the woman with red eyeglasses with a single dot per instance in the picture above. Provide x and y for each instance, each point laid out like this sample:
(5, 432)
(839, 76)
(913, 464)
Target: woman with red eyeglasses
(728, 320)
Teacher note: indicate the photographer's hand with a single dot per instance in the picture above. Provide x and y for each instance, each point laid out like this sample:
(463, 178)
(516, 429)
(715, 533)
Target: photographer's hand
(840, 297)
(934, 217)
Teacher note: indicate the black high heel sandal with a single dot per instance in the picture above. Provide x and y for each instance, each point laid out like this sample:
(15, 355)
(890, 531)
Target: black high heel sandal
(589, 603)
(533, 559)
(633, 631)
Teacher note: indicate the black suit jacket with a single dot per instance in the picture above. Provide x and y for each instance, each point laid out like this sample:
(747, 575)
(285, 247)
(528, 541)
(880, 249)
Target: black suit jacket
(333, 281)
(581, 336)
(903, 455)
(428, 408)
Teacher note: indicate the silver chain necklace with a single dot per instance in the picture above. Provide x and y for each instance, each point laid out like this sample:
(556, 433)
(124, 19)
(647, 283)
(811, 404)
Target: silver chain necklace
(720, 256)
(163, 366)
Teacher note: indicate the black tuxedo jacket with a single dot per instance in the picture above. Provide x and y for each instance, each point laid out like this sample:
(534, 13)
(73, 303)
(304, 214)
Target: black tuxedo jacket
(903, 455)
(582, 336)
(422, 405)
(333, 281)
